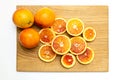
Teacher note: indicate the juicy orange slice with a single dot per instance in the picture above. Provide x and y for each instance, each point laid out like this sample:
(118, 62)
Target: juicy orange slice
(89, 34)
(68, 60)
(46, 35)
(74, 26)
(78, 45)
(59, 26)
(86, 57)
(46, 53)
(61, 44)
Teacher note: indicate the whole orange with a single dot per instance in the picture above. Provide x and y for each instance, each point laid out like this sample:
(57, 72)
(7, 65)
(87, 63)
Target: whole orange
(44, 17)
(23, 18)
(29, 38)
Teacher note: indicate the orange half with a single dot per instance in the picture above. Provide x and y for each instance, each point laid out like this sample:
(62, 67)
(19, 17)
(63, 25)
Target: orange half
(86, 57)
(46, 53)
(68, 60)
(61, 44)
(46, 35)
(59, 26)
(74, 27)
(78, 45)
(89, 34)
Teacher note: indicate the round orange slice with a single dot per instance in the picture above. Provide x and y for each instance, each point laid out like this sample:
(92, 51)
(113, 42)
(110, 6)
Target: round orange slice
(46, 35)
(46, 53)
(74, 26)
(89, 34)
(86, 57)
(78, 45)
(68, 60)
(61, 44)
(59, 26)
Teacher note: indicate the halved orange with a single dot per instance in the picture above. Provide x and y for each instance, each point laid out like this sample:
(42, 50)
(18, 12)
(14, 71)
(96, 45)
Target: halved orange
(61, 44)
(78, 45)
(46, 35)
(86, 57)
(89, 34)
(75, 26)
(46, 53)
(68, 60)
(59, 25)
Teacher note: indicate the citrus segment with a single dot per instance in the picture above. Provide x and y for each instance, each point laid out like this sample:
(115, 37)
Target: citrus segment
(46, 35)
(68, 60)
(74, 26)
(23, 18)
(29, 38)
(86, 57)
(46, 53)
(78, 45)
(89, 34)
(59, 26)
(61, 44)
(44, 17)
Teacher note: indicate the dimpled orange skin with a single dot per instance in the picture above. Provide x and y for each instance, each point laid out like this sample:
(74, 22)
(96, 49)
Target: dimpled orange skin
(29, 38)
(23, 18)
(44, 17)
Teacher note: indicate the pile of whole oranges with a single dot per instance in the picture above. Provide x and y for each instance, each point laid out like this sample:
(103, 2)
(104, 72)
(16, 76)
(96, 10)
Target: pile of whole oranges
(58, 36)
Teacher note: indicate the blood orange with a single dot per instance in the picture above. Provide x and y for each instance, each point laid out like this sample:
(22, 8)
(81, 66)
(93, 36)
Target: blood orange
(74, 26)
(46, 53)
(59, 26)
(61, 44)
(68, 60)
(46, 35)
(89, 34)
(78, 45)
(86, 57)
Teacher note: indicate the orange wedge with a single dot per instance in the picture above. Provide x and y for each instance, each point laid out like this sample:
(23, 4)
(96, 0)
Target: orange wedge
(46, 53)
(86, 57)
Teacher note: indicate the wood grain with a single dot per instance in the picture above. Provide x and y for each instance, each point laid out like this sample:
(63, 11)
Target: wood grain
(95, 16)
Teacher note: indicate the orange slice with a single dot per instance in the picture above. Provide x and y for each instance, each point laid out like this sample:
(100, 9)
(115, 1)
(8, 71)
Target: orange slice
(46, 35)
(61, 44)
(46, 53)
(68, 60)
(86, 57)
(78, 45)
(74, 26)
(89, 34)
(59, 26)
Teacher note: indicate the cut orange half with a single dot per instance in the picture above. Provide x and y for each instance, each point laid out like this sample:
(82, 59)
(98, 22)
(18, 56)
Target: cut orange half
(61, 44)
(59, 26)
(46, 53)
(68, 60)
(86, 57)
(74, 27)
(89, 34)
(46, 35)
(78, 45)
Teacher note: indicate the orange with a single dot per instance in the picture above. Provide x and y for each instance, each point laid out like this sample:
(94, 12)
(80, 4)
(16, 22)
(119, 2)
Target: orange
(68, 60)
(61, 44)
(44, 17)
(78, 45)
(29, 38)
(86, 57)
(46, 53)
(74, 27)
(46, 35)
(59, 26)
(89, 34)
(23, 18)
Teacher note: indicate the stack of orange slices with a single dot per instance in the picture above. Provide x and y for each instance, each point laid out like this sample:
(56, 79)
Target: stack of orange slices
(67, 39)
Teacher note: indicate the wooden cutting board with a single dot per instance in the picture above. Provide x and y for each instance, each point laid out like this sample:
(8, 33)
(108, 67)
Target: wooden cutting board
(95, 16)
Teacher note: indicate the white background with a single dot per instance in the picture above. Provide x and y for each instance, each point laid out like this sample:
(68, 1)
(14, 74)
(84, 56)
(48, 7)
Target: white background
(8, 43)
